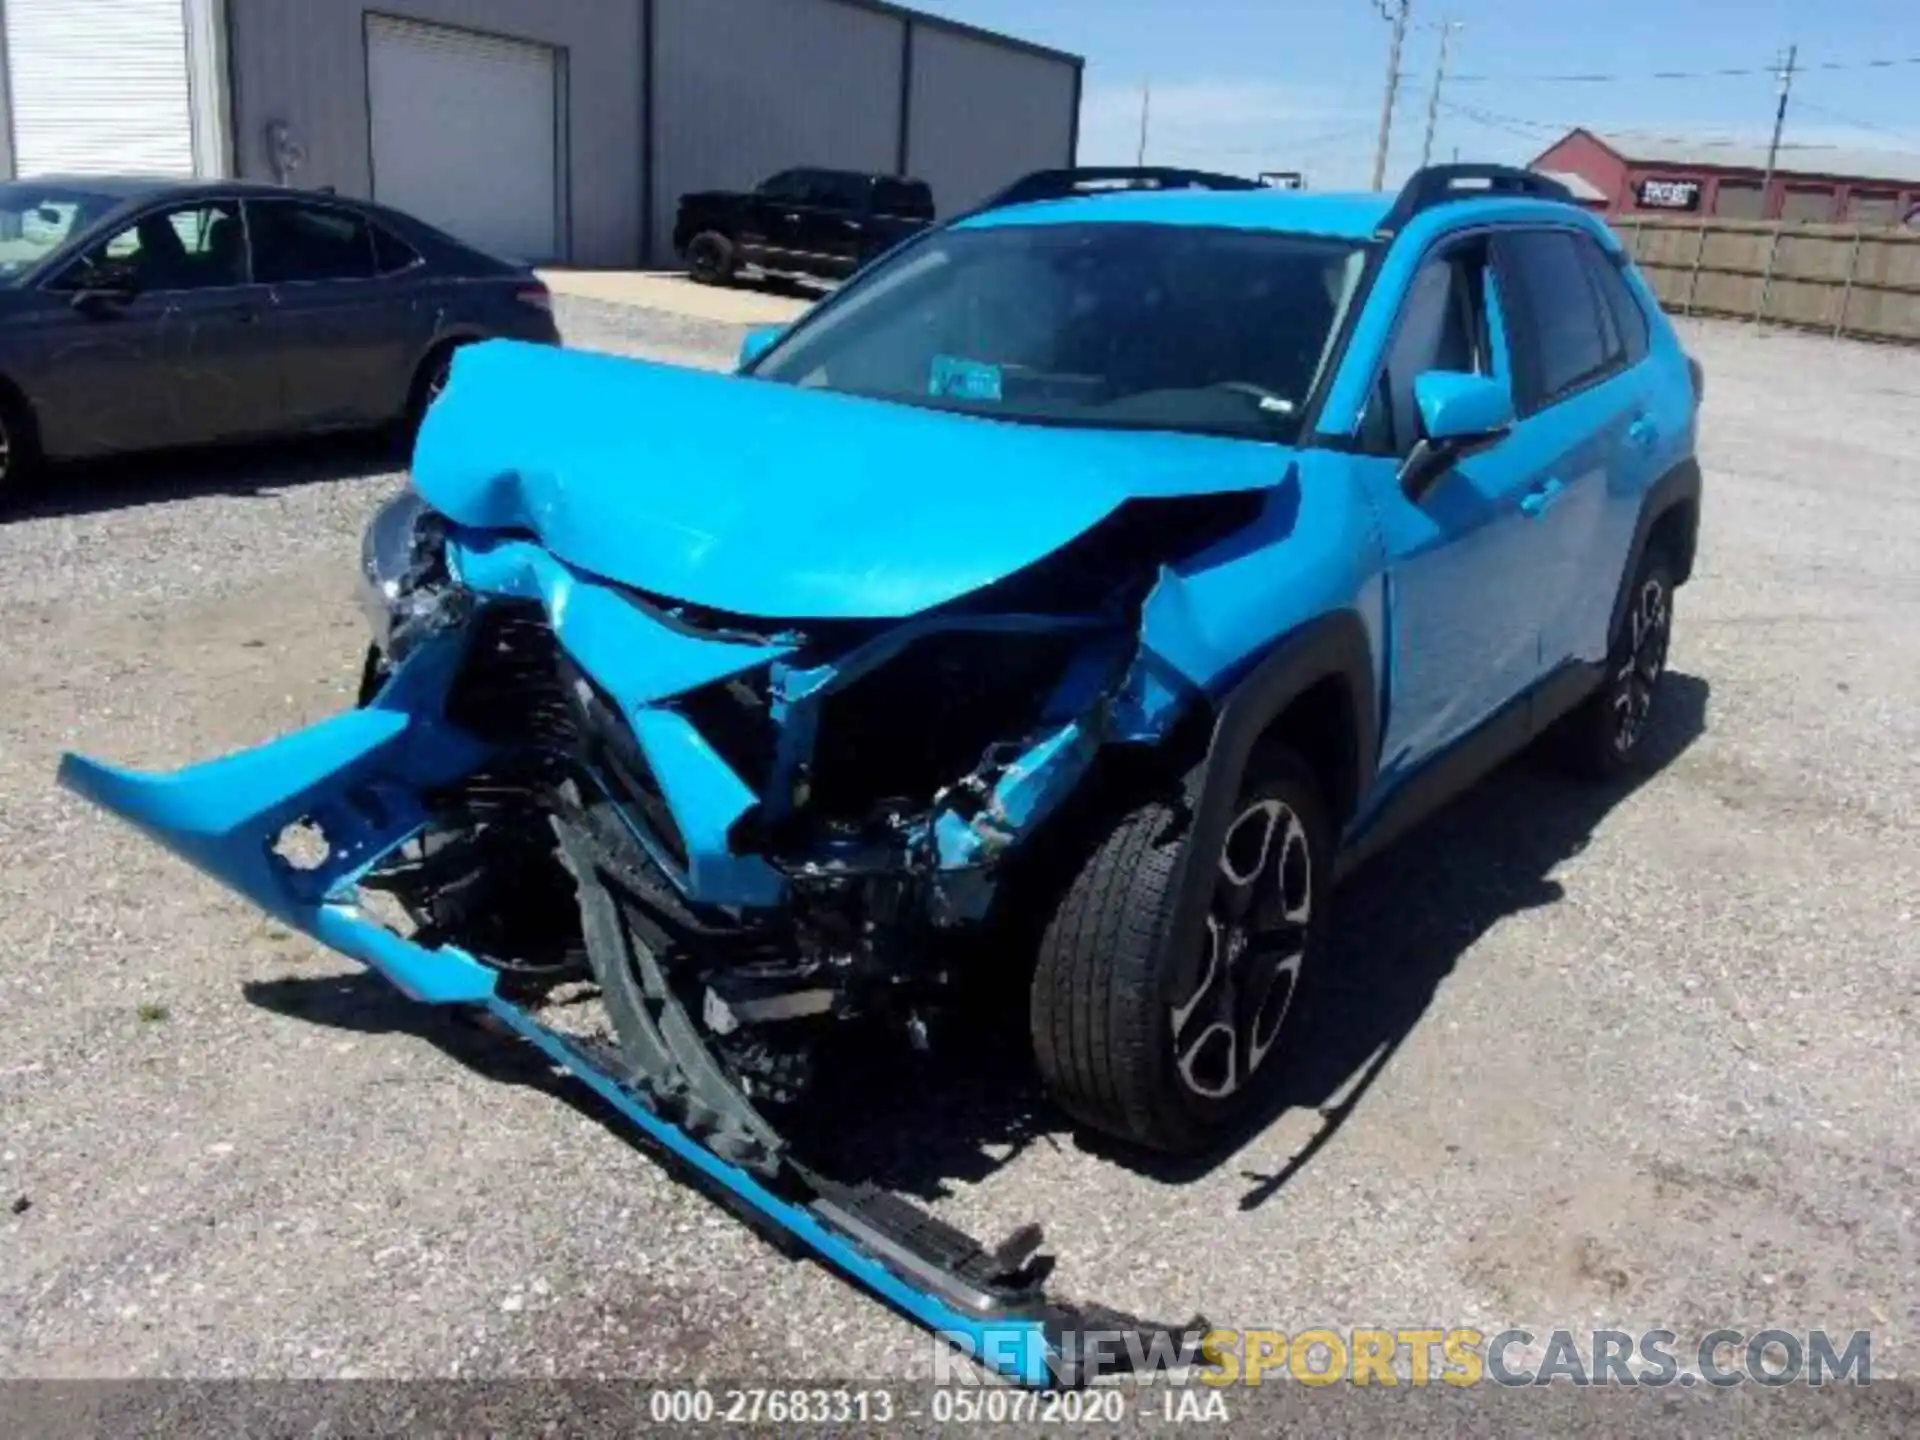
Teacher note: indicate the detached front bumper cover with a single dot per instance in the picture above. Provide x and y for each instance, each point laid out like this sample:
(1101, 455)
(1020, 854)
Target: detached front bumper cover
(355, 781)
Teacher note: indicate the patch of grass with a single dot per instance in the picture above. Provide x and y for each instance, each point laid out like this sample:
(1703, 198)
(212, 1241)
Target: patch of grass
(152, 1012)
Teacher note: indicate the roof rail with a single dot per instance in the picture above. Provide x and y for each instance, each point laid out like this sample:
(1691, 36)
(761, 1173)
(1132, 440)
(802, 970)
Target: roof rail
(1437, 184)
(1064, 184)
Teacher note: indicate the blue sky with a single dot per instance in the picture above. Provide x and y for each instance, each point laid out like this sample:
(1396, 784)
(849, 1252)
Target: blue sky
(1249, 85)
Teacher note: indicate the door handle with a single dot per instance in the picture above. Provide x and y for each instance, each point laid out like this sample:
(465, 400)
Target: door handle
(1537, 500)
(1642, 432)
(239, 314)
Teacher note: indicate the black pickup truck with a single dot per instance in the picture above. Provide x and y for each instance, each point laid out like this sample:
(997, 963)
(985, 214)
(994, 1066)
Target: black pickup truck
(819, 223)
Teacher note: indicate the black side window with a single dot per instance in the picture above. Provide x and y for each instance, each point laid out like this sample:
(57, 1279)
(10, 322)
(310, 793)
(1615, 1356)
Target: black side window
(1565, 338)
(903, 197)
(1619, 304)
(293, 242)
(190, 247)
(1443, 326)
(391, 254)
(834, 190)
(789, 186)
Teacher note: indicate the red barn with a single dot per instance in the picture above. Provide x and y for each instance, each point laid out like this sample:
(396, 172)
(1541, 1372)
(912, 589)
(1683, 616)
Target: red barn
(1627, 174)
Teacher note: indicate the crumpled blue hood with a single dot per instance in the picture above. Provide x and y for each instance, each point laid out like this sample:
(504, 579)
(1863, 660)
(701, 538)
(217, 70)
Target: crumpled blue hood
(768, 500)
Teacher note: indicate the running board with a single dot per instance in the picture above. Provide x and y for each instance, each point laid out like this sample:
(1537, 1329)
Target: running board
(988, 1303)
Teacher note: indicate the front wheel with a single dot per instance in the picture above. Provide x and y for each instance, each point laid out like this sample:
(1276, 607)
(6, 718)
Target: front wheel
(18, 456)
(1177, 1075)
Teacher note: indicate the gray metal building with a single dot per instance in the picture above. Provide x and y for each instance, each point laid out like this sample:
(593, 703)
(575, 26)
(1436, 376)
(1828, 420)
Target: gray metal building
(552, 130)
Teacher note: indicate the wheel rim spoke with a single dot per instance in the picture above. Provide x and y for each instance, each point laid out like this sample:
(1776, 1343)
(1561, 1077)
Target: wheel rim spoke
(1254, 945)
(1645, 663)
(1273, 980)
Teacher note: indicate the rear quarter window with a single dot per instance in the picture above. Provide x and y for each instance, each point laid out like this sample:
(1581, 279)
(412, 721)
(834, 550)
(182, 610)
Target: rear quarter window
(1629, 319)
(1567, 335)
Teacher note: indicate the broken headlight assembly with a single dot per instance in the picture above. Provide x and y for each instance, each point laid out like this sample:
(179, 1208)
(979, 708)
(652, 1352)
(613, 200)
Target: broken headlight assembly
(403, 573)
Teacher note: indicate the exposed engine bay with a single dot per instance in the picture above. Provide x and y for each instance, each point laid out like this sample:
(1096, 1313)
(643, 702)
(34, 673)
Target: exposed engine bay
(800, 826)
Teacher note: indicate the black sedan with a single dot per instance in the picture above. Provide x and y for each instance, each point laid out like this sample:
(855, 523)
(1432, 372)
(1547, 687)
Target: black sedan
(140, 314)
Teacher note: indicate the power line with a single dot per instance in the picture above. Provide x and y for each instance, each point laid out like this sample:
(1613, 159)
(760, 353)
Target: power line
(1610, 78)
(1528, 128)
(1909, 136)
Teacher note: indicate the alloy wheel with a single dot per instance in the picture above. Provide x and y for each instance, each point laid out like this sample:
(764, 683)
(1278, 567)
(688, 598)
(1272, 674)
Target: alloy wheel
(6, 452)
(1650, 625)
(1255, 945)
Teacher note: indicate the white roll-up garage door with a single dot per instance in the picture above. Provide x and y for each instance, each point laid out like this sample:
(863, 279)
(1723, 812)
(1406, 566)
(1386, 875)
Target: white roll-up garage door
(466, 134)
(99, 88)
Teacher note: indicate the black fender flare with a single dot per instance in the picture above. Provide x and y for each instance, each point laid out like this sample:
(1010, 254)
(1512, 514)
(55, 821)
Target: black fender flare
(1333, 645)
(1679, 486)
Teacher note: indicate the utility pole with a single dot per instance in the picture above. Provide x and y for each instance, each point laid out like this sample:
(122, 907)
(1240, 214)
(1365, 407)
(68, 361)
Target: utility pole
(1399, 12)
(1439, 79)
(1146, 102)
(1779, 124)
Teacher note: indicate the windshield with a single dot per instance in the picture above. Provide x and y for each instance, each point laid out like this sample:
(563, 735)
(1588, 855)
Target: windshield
(35, 220)
(1161, 327)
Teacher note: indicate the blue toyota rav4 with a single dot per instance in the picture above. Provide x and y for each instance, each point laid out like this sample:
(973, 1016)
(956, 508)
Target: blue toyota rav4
(1129, 564)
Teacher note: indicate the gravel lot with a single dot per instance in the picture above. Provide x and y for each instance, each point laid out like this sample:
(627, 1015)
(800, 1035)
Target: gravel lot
(1638, 1059)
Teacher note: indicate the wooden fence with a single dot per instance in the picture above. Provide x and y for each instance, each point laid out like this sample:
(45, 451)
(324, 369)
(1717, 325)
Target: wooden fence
(1839, 279)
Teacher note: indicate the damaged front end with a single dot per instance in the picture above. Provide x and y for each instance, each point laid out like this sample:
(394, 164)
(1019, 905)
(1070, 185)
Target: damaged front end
(790, 825)
(749, 832)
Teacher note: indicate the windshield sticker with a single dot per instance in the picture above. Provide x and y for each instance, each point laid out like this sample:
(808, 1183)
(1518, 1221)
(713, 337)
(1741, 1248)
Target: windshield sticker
(957, 379)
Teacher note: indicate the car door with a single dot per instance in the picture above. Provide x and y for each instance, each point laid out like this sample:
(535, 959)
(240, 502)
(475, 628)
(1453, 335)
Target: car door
(819, 232)
(772, 229)
(834, 229)
(341, 335)
(1462, 623)
(179, 358)
(1585, 425)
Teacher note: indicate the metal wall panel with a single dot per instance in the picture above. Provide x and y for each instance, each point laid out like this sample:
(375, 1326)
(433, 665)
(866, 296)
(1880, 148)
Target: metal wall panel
(745, 88)
(303, 63)
(983, 115)
(101, 89)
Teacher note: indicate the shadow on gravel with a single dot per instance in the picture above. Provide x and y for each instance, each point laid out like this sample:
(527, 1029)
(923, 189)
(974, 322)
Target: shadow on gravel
(918, 1123)
(122, 483)
(1403, 921)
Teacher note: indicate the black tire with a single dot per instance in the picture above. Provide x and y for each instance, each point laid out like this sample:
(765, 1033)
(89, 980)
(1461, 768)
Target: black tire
(1605, 737)
(1114, 1054)
(428, 381)
(711, 259)
(19, 451)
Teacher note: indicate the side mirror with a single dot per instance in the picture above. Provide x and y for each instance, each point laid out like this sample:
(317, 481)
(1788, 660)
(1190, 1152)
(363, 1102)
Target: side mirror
(1459, 414)
(758, 342)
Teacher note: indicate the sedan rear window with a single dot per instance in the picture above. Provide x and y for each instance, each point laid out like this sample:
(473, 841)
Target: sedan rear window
(294, 242)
